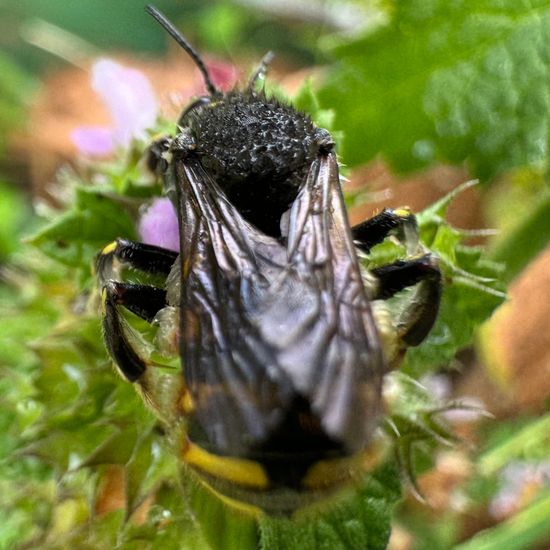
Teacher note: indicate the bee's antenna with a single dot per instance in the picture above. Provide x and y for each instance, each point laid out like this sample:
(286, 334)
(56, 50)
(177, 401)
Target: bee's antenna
(175, 34)
(261, 70)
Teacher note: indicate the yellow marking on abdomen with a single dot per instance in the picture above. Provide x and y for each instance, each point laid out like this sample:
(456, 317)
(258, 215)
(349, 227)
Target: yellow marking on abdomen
(237, 470)
(186, 403)
(336, 471)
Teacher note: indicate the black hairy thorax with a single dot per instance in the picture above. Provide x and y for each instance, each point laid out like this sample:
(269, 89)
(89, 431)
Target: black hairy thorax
(257, 149)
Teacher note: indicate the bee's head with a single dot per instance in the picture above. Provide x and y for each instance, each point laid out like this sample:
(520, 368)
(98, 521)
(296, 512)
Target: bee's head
(257, 149)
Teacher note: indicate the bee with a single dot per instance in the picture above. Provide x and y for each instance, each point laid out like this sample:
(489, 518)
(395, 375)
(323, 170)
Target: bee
(276, 322)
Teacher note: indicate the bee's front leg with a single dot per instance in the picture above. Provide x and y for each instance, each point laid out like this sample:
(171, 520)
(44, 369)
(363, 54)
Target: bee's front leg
(156, 155)
(147, 258)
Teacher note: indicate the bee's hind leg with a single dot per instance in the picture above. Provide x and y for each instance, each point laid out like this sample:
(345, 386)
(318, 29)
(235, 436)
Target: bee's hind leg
(160, 391)
(413, 323)
(417, 319)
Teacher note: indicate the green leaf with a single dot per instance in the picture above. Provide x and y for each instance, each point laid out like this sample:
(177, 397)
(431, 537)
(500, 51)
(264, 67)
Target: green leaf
(447, 80)
(117, 449)
(76, 236)
(523, 530)
(221, 26)
(529, 236)
(169, 525)
(306, 101)
(531, 440)
(136, 471)
(224, 527)
(360, 521)
(13, 215)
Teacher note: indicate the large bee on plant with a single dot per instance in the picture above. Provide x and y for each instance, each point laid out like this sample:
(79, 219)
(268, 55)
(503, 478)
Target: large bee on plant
(282, 340)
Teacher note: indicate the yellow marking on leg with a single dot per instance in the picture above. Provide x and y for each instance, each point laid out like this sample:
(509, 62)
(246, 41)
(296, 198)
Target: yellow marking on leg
(237, 470)
(185, 268)
(403, 212)
(103, 300)
(109, 248)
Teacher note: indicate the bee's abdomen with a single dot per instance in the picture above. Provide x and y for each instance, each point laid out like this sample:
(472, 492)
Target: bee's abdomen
(296, 464)
(297, 443)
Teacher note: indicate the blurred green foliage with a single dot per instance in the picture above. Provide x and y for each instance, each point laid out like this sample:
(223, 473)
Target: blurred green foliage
(449, 81)
(100, 25)
(462, 82)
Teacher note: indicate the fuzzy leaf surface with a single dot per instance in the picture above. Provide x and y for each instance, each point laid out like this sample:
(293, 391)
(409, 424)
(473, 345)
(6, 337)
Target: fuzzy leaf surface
(466, 80)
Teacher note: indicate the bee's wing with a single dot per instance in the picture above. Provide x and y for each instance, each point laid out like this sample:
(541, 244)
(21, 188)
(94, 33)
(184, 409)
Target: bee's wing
(263, 324)
(238, 395)
(341, 363)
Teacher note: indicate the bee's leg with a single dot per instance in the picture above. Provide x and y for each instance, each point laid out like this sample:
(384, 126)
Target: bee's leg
(155, 155)
(128, 350)
(374, 230)
(144, 257)
(415, 321)
(144, 301)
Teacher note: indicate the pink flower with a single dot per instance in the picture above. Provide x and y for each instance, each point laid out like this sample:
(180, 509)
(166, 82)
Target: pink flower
(159, 225)
(223, 75)
(129, 97)
(520, 482)
(95, 141)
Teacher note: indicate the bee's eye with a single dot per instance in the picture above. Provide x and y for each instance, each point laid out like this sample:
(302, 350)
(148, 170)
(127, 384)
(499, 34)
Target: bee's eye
(200, 102)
